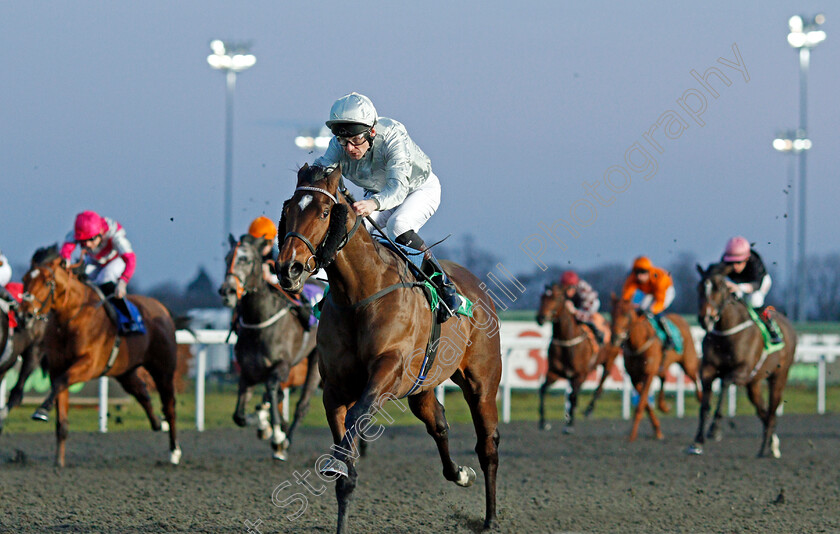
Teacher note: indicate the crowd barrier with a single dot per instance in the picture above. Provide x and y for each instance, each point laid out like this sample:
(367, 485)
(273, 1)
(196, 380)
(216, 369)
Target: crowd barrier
(524, 365)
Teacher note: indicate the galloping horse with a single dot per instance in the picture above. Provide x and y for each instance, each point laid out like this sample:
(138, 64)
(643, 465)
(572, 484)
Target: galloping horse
(734, 351)
(572, 354)
(270, 339)
(375, 330)
(644, 359)
(82, 344)
(27, 345)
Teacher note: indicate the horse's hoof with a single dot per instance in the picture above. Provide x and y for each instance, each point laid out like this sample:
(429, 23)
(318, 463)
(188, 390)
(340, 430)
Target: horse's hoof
(280, 455)
(466, 476)
(664, 408)
(240, 421)
(568, 430)
(660, 436)
(40, 415)
(695, 449)
(491, 525)
(545, 426)
(334, 467)
(774, 447)
(715, 434)
(175, 456)
(588, 411)
(164, 425)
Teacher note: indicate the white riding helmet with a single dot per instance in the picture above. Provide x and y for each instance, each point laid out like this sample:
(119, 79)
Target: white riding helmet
(351, 115)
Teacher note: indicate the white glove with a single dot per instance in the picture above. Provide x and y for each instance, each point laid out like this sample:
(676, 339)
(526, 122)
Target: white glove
(120, 290)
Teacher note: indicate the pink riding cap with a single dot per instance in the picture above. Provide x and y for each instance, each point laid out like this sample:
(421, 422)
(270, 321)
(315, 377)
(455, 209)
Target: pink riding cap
(737, 249)
(89, 225)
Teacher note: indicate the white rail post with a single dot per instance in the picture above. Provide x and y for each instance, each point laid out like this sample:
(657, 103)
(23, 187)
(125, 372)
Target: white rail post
(440, 394)
(680, 392)
(820, 385)
(286, 404)
(201, 367)
(506, 386)
(103, 404)
(733, 395)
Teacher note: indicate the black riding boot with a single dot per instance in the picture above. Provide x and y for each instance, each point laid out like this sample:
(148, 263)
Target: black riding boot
(599, 336)
(775, 335)
(449, 299)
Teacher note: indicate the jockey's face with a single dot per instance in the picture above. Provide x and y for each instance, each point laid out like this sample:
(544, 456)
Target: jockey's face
(739, 266)
(570, 291)
(356, 147)
(642, 277)
(92, 243)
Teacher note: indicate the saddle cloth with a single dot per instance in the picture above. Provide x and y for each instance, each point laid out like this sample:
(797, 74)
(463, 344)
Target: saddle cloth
(673, 332)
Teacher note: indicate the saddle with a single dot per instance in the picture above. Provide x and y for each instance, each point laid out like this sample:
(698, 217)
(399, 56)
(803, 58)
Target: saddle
(673, 332)
(128, 321)
(769, 346)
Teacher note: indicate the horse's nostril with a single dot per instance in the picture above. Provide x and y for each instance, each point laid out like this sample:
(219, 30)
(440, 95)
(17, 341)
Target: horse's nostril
(295, 269)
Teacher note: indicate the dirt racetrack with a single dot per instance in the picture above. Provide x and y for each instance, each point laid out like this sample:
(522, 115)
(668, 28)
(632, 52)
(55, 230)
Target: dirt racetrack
(592, 481)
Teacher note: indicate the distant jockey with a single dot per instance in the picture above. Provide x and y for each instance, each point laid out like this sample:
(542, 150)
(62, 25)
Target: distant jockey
(583, 303)
(108, 257)
(651, 289)
(5, 278)
(748, 279)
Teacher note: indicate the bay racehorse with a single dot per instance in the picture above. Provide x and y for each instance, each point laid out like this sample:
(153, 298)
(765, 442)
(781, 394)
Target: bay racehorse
(376, 327)
(734, 352)
(572, 354)
(644, 359)
(81, 344)
(270, 339)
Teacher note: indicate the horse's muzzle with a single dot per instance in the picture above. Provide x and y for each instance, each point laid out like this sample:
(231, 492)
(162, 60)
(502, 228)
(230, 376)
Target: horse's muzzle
(289, 274)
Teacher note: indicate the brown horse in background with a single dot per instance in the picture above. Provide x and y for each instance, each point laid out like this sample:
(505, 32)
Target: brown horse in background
(80, 342)
(644, 360)
(572, 354)
(375, 328)
(733, 350)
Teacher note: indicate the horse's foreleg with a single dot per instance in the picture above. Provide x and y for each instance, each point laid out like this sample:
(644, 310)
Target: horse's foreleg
(29, 362)
(61, 424)
(643, 389)
(278, 437)
(308, 389)
(776, 385)
(571, 402)
(708, 376)
(607, 360)
(550, 378)
(242, 397)
(715, 431)
(340, 467)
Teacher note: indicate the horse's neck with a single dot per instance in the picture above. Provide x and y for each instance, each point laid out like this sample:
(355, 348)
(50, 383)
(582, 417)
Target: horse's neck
(358, 271)
(640, 330)
(260, 302)
(75, 295)
(565, 326)
(732, 313)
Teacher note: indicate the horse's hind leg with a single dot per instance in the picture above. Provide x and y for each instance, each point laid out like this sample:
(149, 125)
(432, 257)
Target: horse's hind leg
(61, 425)
(607, 367)
(165, 384)
(481, 398)
(550, 378)
(715, 431)
(134, 386)
(770, 443)
(426, 408)
(708, 376)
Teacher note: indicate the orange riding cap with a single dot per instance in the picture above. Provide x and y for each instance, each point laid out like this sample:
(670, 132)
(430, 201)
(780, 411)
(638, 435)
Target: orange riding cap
(657, 286)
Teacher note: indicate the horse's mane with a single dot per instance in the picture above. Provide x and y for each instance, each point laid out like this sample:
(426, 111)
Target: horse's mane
(45, 254)
(718, 269)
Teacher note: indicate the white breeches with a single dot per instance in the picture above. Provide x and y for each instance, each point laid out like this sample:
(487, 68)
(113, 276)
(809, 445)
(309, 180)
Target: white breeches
(647, 301)
(413, 213)
(102, 274)
(5, 271)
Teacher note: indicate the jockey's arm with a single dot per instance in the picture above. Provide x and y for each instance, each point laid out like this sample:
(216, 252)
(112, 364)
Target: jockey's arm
(397, 171)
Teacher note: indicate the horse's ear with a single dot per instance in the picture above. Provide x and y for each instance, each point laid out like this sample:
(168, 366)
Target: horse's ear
(303, 173)
(701, 271)
(231, 240)
(334, 177)
(613, 297)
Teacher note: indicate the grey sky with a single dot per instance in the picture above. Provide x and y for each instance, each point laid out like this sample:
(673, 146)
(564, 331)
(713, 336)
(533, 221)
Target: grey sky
(112, 107)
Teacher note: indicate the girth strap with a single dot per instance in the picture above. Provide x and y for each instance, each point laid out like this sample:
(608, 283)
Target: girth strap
(429, 357)
(113, 357)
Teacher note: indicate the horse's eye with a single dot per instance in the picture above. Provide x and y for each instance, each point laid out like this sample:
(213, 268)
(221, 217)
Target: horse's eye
(325, 214)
